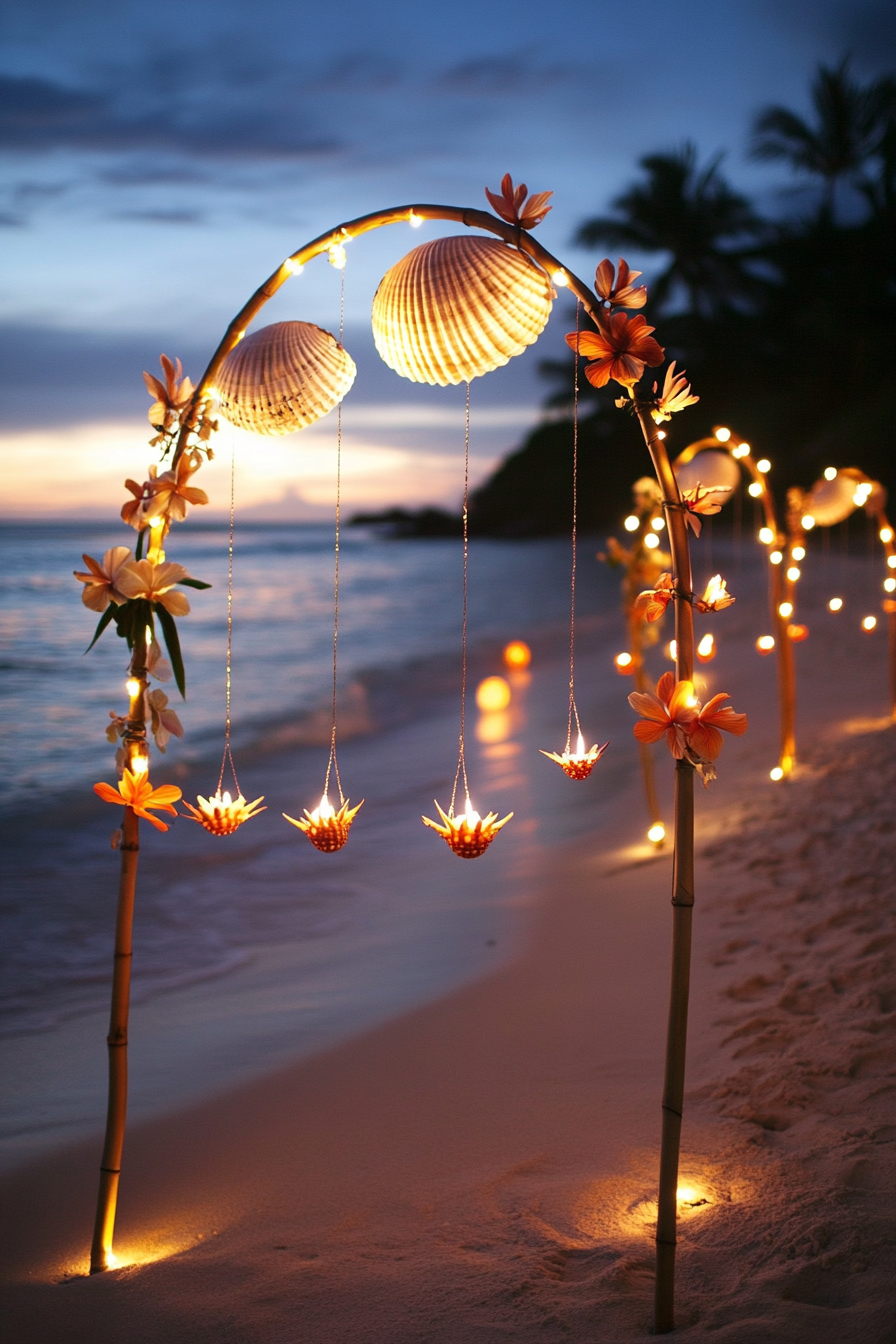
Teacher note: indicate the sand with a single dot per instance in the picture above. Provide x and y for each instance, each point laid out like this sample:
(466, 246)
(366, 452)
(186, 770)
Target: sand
(482, 1168)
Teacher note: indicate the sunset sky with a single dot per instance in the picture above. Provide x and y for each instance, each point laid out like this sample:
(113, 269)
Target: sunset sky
(160, 160)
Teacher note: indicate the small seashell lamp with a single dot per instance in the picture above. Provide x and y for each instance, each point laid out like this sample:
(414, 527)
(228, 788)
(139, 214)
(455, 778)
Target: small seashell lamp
(456, 308)
(283, 378)
(468, 834)
(325, 827)
(221, 814)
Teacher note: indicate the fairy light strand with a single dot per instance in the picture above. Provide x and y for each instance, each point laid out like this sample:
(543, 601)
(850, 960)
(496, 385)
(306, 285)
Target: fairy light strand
(573, 709)
(228, 754)
(333, 763)
(462, 753)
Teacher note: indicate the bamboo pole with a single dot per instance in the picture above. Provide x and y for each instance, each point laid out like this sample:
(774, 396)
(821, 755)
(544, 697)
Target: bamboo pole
(682, 903)
(101, 1257)
(642, 683)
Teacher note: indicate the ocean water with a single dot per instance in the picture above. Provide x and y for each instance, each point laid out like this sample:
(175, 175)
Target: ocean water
(398, 601)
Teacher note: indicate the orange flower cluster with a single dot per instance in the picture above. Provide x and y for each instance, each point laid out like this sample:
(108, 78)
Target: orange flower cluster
(135, 791)
(691, 730)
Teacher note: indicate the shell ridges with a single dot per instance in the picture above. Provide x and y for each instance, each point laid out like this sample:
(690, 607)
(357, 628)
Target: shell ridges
(283, 378)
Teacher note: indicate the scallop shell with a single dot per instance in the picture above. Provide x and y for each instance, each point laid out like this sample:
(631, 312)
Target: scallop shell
(283, 378)
(831, 502)
(712, 468)
(455, 308)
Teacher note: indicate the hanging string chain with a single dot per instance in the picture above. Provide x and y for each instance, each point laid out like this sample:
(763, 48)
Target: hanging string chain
(573, 709)
(462, 749)
(333, 763)
(228, 755)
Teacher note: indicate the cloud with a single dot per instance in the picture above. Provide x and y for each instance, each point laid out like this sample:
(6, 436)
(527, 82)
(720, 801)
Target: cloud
(160, 216)
(40, 114)
(501, 75)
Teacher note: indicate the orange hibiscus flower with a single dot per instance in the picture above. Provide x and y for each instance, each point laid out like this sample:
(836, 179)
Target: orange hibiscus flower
(136, 792)
(102, 579)
(653, 603)
(691, 730)
(155, 583)
(171, 492)
(619, 291)
(172, 396)
(702, 500)
(621, 348)
(512, 205)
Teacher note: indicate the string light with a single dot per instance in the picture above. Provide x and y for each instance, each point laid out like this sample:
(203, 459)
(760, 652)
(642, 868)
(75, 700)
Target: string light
(651, 541)
(706, 649)
(776, 774)
(632, 523)
(890, 585)
(793, 573)
(658, 524)
(657, 833)
(835, 604)
(830, 473)
(414, 220)
(337, 256)
(722, 434)
(799, 552)
(624, 663)
(754, 489)
(133, 687)
(765, 643)
(785, 609)
(763, 465)
(672, 651)
(869, 623)
(766, 535)
(517, 654)
(560, 278)
(807, 522)
(139, 763)
(776, 557)
(891, 561)
(294, 267)
(886, 535)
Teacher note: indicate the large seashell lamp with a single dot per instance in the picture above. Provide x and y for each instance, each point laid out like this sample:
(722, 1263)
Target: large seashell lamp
(283, 378)
(456, 308)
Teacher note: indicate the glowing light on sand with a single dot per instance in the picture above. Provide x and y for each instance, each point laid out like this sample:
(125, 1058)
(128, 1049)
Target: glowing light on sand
(492, 693)
(835, 604)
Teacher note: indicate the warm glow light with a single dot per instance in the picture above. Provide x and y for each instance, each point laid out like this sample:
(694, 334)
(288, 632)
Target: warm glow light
(776, 774)
(742, 450)
(785, 609)
(560, 278)
(766, 535)
(723, 434)
(623, 662)
(661, 433)
(632, 523)
(148, 635)
(765, 643)
(656, 833)
(763, 465)
(706, 649)
(776, 557)
(886, 534)
(133, 687)
(517, 654)
(797, 633)
(754, 489)
(294, 267)
(891, 561)
(869, 622)
(807, 522)
(492, 693)
(658, 524)
(890, 585)
(651, 541)
(337, 256)
(830, 473)
(835, 604)
(156, 522)
(793, 573)
(139, 764)
(414, 220)
(672, 650)
(799, 552)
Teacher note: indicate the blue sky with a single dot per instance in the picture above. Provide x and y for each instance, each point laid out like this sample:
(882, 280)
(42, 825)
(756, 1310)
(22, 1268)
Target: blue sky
(160, 160)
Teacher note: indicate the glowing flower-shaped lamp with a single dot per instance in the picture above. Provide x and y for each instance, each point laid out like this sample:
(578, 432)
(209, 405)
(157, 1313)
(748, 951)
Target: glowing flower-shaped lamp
(326, 828)
(221, 814)
(468, 834)
(578, 764)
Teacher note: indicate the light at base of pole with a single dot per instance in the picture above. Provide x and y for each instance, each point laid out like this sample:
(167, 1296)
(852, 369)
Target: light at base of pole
(657, 833)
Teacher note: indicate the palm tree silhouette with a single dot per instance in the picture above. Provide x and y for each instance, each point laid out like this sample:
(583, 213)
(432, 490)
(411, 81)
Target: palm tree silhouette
(691, 213)
(848, 130)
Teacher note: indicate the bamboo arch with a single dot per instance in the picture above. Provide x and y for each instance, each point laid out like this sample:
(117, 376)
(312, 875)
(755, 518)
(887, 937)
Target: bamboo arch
(683, 827)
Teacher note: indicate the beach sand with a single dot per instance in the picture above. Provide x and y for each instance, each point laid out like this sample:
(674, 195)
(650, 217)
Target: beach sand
(483, 1167)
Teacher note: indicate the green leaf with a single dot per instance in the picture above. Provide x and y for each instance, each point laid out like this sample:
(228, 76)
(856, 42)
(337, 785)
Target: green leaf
(107, 616)
(194, 583)
(172, 643)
